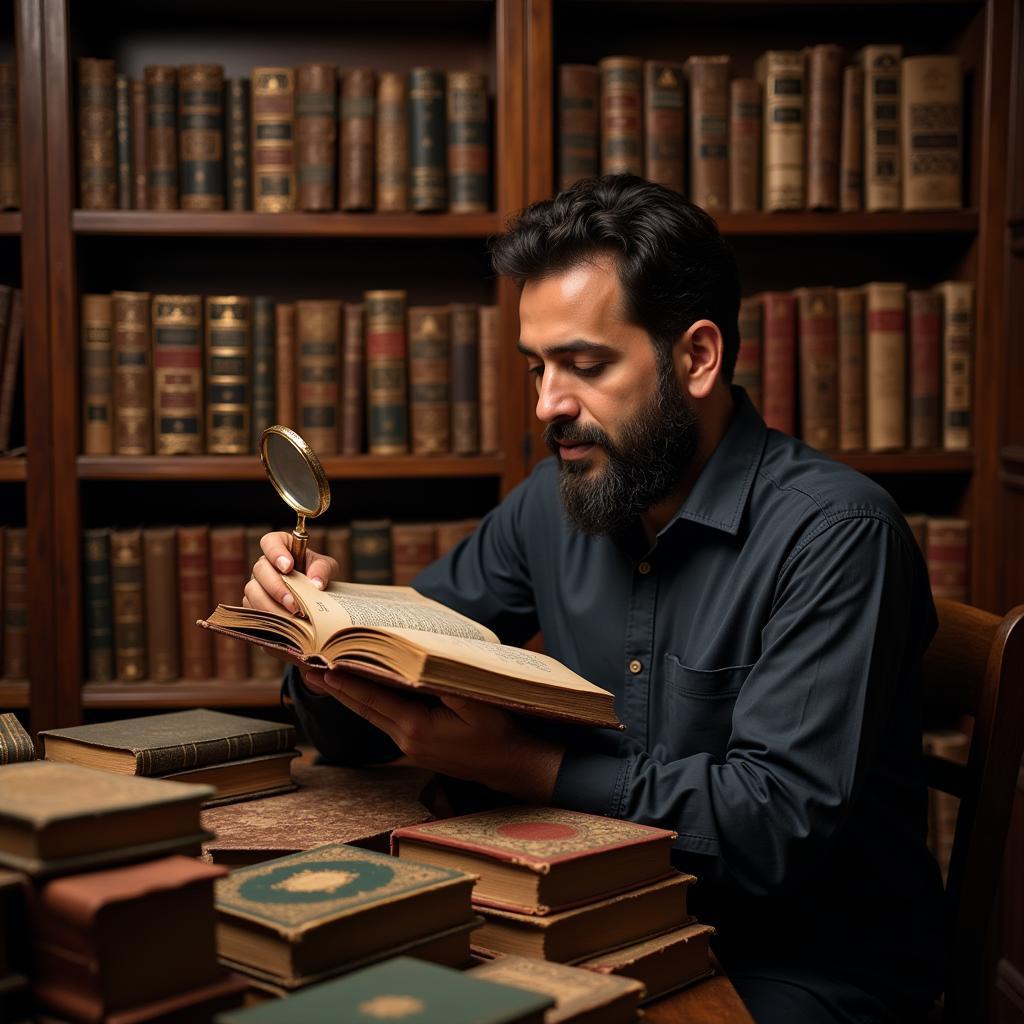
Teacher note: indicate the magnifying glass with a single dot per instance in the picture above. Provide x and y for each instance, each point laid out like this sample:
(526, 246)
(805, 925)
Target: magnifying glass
(298, 477)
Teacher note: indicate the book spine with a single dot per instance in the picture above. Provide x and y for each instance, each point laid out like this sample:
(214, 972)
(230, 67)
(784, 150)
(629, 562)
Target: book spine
(15, 605)
(358, 132)
(427, 132)
(227, 558)
(622, 94)
(919, 528)
(932, 143)
(823, 72)
(129, 604)
(392, 143)
(447, 535)
(747, 373)
(886, 366)
(779, 364)
(284, 329)
(412, 550)
(852, 376)
(881, 126)
(430, 379)
(194, 597)
(490, 380)
(339, 547)
(178, 374)
(123, 125)
(15, 747)
(9, 381)
(228, 374)
(353, 378)
(709, 133)
(273, 147)
(201, 167)
(97, 157)
(387, 427)
(744, 143)
(469, 158)
(316, 135)
(263, 664)
(263, 386)
(133, 359)
(578, 109)
(99, 607)
(957, 375)
(781, 73)
(318, 341)
(140, 144)
(818, 367)
(239, 178)
(161, 604)
(465, 334)
(925, 310)
(947, 557)
(371, 551)
(97, 375)
(664, 123)
(851, 142)
(10, 165)
(161, 138)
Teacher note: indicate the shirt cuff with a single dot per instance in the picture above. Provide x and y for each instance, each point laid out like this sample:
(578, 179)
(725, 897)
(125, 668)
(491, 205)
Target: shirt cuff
(590, 782)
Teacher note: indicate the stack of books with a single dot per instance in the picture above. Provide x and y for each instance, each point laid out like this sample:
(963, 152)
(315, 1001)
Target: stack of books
(573, 888)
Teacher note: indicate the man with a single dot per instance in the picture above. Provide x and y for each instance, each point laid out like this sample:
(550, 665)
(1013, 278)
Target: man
(758, 610)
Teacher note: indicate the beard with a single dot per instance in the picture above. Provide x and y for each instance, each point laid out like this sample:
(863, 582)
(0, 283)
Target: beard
(644, 466)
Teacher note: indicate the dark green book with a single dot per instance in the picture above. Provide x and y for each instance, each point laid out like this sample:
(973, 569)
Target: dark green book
(401, 989)
(428, 148)
(371, 551)
(263, 364)
(236, 120)
(99, 607)
(201, 136)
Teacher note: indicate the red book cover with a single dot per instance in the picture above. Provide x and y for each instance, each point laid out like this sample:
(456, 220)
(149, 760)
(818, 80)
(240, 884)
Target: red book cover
(779, 361)
(925, 309)
(230, 573)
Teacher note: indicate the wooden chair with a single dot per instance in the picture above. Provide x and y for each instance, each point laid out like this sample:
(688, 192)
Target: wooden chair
(975, 666)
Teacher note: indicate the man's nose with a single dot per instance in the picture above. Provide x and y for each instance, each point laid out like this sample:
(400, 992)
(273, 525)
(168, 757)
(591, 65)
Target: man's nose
(555, 401)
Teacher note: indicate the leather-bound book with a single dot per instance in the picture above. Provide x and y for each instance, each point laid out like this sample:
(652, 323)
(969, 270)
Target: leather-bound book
(15, 603)
(447, 535)
(428, 149)
(238, 143)
(387, 428)
(371, 551)
(133, 374)
(925, 312)
(778, 367)
(97, 153)
(747, 373)
(622, 115)
(262, 664)
(824, 62)
(887, 366)
(392, 166)
(465, 321)
(97, 373)
(10, 169)
(490, 380)
(881, 66)
(161, 567)
(140, 144)
(263, 356)
(852, 338)
(709, 131)
(318, 343)
(123, 127)
(412, 550)
(228, 374)
(353, 379)
(664, 123)
(430, 370)
(273, 144)
(229, 574)
(127, 574)
(11, 375)
(579, 102)
(947, 557)
(194, 595)
(932, 122)
(99, 605)
(339, 547)
(284, 383)
(851, 141)
(178, 374)
(782, 77)
(201, 142)
(15, 747)
(744, 144)
(161, 137)
(819, 372)
(316, 135)
(469, 143)
(957, 356)
(358, 139)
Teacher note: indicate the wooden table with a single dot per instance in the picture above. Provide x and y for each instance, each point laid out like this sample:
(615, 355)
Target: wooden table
(713, 1001)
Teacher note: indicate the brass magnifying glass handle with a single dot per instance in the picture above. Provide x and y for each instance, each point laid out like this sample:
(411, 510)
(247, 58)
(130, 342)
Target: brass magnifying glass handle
(300, 540)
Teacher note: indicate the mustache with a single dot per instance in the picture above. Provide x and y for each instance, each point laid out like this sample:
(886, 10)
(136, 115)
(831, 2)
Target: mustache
(575, 433)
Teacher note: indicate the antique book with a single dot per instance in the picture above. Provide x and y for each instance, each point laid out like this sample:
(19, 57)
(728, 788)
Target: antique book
(316, 910)
(469, 136)
(427, 140)
(397, 989)
(63, 818)
(97, 157)
(947, 556)
(578, 116)
(228, 374)
(159, 544)
(490, 380)
(316, 135)
(881, 66)
(228, 575)
(263, 664)
(15, 742)
(358, 135)
(583, 932)
(99, 605)
(664, 123)
(447, 535)
(123, 128)
(194, 595)
(824, 62)
(353, 378)
(851, 141)
(412, 550)
(127, 575)
(284, 382)
(15, 603)
(778, 367)
(886, 366)
(931, 92)
(97, 373)
(178, 374)
(851, 340)
(622, 123)
(747, 373)
(392, 154)
(744, 144)
(387, 426)
(581, 997)
(318, 362)
(465, 336)
(273, 144)
(236, 139)
(339, 547)
(781, 74)
(11, 376)
(140, 143)
(263, 357)
(957, 357)
(924, 312)
(161, 137)
(133, 374)
(818, 362)
(424, 646)
(539, 860)
(371, 551)
(709, 131)
(10, 165)
(430, 380)
(201, 136)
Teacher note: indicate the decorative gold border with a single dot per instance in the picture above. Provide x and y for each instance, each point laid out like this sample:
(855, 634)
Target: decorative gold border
(312, 461)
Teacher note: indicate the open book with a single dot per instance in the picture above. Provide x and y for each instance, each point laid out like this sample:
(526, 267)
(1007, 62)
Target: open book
(398, 637)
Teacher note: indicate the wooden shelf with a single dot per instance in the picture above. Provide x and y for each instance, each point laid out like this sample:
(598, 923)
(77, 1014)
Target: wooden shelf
(13, 693)
(246, 224)
(10, 223)
(184, 693)
(907, 462)
(955, 222)
(13, 469)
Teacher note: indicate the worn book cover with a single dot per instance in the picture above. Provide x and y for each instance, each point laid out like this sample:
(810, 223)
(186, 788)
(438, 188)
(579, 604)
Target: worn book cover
(313, 911)
(537, 859)
(15, 742)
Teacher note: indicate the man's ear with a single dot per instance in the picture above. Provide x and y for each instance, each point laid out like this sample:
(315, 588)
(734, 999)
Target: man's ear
(698, 356)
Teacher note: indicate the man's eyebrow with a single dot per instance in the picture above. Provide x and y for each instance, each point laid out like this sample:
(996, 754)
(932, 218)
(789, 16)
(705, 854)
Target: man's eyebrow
(567, 348)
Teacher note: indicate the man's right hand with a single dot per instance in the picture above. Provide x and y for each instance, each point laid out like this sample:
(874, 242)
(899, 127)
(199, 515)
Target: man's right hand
(266, 590)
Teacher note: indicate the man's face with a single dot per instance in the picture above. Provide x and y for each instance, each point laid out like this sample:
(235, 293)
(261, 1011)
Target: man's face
(614, 411)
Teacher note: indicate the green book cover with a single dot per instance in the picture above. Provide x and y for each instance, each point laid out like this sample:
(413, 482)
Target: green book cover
(400, 989)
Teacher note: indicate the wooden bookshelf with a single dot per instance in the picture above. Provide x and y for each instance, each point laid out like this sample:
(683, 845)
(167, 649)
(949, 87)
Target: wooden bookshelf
(182, 693)
(860, 224)
(10, 223)
(13, 694)
(13, 469)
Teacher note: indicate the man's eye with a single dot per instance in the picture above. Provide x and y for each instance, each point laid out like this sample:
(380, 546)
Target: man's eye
(588, 369)
(537, 370)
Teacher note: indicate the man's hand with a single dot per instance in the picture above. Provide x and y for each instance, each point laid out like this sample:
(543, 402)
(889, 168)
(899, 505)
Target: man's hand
(463, 738)
(266, 590)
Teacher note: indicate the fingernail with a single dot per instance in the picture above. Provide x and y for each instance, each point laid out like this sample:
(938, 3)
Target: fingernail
(317, 582)
(289, 602)
(283, 563)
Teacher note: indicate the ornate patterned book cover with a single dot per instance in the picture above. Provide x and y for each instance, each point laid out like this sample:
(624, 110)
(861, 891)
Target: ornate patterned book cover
(665, 119)
(97, 156)
(316, 135)
(228, 374)
(15, 745)
(957, 358)
(386, 370)
(430, 379)
(318, 342)
(882, 161)
(239, 164)
(133, 374)
(129, 604)
(817, 361)
(709, 130)
(392, 168)
(578, 112)
(427, 139)
(469, 137)
(162, 137)
(97, 373)
(371, 551)
(178, 374)
(358, 135)
(273, 139)
(622, 95)
(782, 76)
(201, 166)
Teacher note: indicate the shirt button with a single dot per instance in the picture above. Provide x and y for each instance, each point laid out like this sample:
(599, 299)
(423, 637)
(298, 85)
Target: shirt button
(635, 667)
(644, 568)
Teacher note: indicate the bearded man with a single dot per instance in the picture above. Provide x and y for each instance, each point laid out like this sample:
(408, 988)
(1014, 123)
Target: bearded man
(758, 610)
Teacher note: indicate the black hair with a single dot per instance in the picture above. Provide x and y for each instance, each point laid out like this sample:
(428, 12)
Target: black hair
(674, 266)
